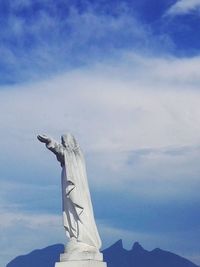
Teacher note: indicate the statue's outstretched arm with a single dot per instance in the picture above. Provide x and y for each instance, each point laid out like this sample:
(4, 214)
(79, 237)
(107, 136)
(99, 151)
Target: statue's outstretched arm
(52, 145)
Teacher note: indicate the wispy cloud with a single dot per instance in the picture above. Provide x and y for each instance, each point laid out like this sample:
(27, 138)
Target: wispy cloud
(183, 7)
(35, 46)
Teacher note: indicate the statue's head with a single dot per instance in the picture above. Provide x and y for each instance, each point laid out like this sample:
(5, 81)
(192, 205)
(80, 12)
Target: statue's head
(69, 141)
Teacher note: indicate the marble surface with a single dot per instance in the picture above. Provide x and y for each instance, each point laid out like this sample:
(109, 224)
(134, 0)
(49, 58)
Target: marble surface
(86, 263)
(78, 217)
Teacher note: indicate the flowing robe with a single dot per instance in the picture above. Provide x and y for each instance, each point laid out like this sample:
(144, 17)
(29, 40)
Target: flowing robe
(78, 214)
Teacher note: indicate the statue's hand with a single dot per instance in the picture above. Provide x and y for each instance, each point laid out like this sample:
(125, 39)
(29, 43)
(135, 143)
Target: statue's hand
(44, 138)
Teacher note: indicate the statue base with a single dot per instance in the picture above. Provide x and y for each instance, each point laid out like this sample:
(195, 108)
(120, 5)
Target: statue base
(78, 251)
(77, 254)
(81, 256)
(83, 263)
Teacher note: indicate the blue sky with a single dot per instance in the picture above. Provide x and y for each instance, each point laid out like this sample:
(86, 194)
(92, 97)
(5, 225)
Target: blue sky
(123, 77)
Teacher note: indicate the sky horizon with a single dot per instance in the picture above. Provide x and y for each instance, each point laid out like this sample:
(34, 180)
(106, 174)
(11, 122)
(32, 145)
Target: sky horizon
(123, 77)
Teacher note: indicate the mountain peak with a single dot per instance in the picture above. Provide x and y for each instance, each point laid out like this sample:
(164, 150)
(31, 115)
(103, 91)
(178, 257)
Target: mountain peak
(117, 245)
(137, 247)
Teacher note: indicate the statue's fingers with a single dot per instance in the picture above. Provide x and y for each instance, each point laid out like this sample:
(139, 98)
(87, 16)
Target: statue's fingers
(42, 138)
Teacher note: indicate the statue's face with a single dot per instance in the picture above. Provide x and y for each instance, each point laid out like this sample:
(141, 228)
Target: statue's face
(69, 141)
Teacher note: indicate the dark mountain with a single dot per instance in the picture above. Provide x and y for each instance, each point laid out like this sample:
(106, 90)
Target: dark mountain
(45, 257)
(115, 256)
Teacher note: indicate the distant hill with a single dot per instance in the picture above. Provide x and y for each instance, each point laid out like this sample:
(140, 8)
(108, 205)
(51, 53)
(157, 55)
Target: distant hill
(115, 256)
(45, 257)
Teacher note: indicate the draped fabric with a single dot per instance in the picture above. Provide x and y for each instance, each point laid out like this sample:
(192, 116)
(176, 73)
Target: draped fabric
(78, 214)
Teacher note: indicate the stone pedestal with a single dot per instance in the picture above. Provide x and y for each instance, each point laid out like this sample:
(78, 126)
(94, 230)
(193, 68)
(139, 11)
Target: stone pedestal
(83, 263)
(77, 254)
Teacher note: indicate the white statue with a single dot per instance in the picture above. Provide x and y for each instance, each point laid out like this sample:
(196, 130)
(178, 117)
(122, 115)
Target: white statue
(84, 241)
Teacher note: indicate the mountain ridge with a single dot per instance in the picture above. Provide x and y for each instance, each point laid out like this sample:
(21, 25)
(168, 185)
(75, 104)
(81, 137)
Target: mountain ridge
(115, 256)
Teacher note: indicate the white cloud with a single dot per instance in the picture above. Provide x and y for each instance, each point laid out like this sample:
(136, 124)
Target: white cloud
(154, 176)
(146, 103)
(149, 103)
(183, 7)
(31, 221)
(115, 109)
